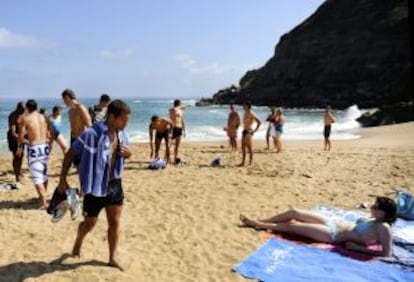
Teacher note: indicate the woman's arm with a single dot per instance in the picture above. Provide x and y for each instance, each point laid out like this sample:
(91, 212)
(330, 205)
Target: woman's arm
(385, 239)
(362, 248)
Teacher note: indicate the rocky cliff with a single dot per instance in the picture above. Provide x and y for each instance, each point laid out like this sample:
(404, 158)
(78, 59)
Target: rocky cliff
(347, 52)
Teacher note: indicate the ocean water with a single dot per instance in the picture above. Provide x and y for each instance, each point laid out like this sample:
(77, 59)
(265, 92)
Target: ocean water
(205, 123)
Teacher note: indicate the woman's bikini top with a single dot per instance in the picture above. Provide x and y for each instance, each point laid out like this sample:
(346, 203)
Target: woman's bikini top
(362, 225)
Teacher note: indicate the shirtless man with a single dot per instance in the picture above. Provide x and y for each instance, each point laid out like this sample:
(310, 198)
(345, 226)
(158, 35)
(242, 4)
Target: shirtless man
(247, 134)
(328, 119)
(233, 124)
(36, 127)
(178, 130)
(15, 119)
(161, 126)
(78, 116)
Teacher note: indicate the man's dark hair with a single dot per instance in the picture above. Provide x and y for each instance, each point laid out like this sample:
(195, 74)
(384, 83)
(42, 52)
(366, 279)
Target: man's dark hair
(177, 103)
(69, 93)
(117, 108)
(31, 105)
(248, 104)
(154, 118)
(56, 109)
(105, 98)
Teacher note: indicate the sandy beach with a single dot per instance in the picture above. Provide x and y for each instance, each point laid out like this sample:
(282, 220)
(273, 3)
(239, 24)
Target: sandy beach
(180, 224)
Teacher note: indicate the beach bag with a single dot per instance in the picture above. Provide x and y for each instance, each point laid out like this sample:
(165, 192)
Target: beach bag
(157, 164)
(405, 205)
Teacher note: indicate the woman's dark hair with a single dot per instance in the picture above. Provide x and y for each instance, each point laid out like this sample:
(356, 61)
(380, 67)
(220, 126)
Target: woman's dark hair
(56, 109)
(117, 108)
(31, 105)
(388, 206)
(177, 103)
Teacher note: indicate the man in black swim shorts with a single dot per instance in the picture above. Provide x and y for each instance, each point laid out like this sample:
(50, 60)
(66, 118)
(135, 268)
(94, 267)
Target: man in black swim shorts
(15, 118)
(161, 126)
(103, 149)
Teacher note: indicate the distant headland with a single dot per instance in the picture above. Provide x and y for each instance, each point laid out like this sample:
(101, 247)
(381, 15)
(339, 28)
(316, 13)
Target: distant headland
(348, 52)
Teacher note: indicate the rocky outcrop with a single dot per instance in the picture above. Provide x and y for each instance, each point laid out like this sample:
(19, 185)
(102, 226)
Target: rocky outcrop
(398, 113)
(348, 52)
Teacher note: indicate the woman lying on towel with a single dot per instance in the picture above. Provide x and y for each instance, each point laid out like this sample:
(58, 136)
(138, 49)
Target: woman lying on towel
(322, 229)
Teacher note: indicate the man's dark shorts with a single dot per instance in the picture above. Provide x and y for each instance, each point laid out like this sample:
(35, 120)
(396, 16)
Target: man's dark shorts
(161, 135)
(76, 159)
(12, 142)
(115, 196)
(327, 131)
(177, 132)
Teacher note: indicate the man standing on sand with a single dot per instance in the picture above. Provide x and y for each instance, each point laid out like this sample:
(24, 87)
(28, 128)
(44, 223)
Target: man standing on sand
(178, 130)
(233, 124)
(78, 116)
(15, 119)
(328, 119)
(36, 127)
(102, 149)
(162, 127)
(247, 134)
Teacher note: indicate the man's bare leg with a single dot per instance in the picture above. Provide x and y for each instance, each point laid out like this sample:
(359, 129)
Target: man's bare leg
(167, 150)
(17, 167)
(177, 145)
(157, 147)
(250, 149)
(113, 215)
(41, 191)
(243, 146)
(84, 228)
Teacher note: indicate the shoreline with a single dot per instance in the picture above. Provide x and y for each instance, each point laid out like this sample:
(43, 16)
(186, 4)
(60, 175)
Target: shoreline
(180, 223)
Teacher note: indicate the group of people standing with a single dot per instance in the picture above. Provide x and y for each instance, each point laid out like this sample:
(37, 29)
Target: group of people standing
(276, 121)
(251, 124)
(99, 147)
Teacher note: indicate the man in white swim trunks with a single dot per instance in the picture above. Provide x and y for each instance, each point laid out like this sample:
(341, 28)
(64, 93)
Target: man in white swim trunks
(36, 127)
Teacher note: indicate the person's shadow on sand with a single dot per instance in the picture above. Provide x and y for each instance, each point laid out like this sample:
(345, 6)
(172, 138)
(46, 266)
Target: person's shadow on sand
(30, 204)
(20, 271)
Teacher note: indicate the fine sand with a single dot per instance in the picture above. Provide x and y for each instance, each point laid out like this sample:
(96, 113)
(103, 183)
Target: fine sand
(180, 224)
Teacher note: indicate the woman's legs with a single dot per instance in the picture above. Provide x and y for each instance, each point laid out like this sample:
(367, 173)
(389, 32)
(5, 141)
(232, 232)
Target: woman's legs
(295, 214)
(61, 142)
(315, 231)
(278, 142)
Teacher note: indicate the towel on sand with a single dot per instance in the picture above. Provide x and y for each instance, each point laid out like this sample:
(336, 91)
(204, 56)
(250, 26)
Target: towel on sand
(279, 260)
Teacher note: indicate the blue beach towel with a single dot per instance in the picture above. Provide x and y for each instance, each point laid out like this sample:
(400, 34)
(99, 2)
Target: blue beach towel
(279, 260)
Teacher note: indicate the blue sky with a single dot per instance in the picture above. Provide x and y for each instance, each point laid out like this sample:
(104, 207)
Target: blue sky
(134, 48)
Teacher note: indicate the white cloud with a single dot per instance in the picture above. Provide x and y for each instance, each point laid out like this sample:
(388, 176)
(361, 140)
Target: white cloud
(116, 54)
(9, 39)
(188, 63)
